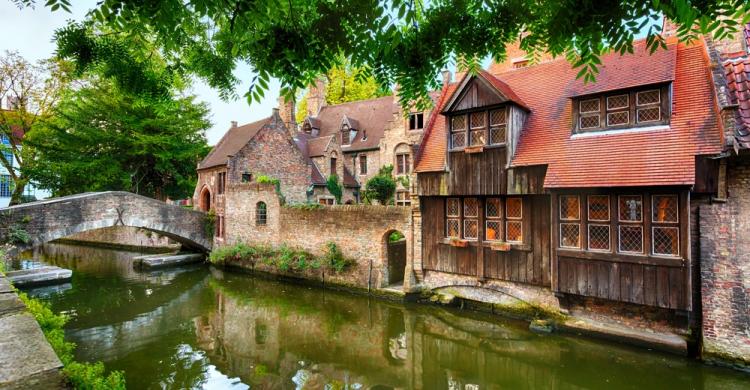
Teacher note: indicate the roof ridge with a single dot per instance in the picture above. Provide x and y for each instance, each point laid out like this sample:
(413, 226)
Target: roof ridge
(356, 101)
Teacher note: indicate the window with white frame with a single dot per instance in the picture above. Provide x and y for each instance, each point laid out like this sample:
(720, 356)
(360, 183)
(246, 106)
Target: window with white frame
(403, 198)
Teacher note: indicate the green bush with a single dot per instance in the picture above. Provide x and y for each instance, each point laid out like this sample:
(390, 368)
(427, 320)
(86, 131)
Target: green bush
(335, 188)
(305, 206)
(89, 376)
(395, 236)
(335, 259)
(284, 258)
(382, 186)
(209, 224)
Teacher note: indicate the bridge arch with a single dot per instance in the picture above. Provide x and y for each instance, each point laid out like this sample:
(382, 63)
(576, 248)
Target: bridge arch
(55, 218)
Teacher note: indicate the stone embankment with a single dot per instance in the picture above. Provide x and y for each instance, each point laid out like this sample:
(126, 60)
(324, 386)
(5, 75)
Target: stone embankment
(27, 360)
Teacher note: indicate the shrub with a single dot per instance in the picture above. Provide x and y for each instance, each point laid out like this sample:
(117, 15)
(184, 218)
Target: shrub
(382, 186)
(79, 375)
(305, 206)
(209, 224)
(335, 259)
(395, 236)
(335, 188)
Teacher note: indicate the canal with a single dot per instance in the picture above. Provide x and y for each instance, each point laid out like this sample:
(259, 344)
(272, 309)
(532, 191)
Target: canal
(199, 327)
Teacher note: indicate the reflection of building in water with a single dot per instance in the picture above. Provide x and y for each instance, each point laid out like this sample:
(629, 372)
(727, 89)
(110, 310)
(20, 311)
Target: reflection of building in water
(330, 342)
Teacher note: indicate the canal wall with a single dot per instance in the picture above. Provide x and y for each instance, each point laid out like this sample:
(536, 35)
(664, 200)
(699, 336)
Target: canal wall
(725, 271)
(122, 237)
(360, 231)
(27, 360)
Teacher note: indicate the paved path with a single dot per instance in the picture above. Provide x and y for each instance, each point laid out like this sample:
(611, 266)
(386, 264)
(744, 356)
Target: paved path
(27, 360)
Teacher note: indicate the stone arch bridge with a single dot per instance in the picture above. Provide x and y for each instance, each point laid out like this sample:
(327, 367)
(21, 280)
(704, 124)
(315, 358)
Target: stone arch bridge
(50, 219)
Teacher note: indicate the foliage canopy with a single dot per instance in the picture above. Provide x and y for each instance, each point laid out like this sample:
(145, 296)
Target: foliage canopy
(402, 42)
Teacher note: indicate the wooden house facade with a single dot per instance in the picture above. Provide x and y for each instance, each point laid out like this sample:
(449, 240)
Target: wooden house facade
(530, 179)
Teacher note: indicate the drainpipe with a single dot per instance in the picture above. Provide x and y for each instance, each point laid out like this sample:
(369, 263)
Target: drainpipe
(369, 278)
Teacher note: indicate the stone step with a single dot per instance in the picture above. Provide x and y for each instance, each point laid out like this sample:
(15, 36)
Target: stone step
(161, 261)
(39, 276)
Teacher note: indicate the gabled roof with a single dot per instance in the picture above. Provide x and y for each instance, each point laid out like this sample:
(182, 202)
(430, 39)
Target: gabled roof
(231, 143)
(502, 89)
(632, 158)
(371, 116)
(317, 146)
(738, 83)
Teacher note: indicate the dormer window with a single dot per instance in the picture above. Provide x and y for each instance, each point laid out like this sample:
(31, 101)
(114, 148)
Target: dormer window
(416, 121)
(306, 127)
(622, 110)
(345, 139)
(485, 128)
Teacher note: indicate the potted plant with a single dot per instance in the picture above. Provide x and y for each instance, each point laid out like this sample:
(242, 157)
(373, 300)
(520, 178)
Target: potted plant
(501, 246)
(459, 243)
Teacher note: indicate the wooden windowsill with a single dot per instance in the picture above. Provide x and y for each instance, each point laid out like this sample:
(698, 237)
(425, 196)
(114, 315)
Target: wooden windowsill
(623, 258)
(488, 244)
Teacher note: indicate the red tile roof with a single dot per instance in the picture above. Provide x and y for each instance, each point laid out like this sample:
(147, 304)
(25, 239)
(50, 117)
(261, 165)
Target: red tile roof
(231, 143)
(431, 154)
(738, 83)
(636, 158)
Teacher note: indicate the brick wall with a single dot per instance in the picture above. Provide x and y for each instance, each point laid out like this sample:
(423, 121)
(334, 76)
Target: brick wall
(273, 153)
(360, 231)
(725, 269)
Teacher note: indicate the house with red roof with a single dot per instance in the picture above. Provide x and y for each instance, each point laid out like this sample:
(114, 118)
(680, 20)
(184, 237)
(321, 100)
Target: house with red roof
(578, 196)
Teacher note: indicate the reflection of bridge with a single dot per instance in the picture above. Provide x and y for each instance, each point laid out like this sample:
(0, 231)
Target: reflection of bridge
(55, 218)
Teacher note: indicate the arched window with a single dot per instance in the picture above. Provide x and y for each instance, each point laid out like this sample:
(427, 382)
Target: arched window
(261, 214)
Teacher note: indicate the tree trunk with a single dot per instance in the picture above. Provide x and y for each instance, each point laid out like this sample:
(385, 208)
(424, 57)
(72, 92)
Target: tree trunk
(17, 195)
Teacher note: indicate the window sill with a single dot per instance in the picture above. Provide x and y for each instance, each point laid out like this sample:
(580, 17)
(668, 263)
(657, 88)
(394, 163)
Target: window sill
(486, 244)
(622, 258)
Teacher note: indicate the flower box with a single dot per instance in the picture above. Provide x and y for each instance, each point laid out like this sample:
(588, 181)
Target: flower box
(459, 243)
(474, 149)
(500, 246)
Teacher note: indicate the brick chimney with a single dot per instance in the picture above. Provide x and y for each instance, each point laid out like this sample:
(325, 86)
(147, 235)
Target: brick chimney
(316, 98)
(447, 77)
(286, 112)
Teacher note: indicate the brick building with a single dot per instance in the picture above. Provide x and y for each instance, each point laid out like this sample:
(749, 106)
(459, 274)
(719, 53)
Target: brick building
(724, 222)
(593, 198)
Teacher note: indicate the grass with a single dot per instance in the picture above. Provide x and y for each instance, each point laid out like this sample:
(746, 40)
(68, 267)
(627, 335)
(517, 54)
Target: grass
(284, 258)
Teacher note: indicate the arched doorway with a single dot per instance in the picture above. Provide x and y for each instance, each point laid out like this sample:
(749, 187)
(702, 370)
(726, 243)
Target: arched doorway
(395, 250)
(205, 200)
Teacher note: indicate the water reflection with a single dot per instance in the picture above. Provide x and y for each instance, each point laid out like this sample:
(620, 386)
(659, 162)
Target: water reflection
(195, 327)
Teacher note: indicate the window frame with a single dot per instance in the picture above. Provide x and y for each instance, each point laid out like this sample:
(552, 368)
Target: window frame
(221, 183)
(406, 160)
(617, 227)
(261, 214)
(482, 218)
(406, 201)
(362, 164)
(414, 121)
(632, 109)
(570, 221)
(486, 129)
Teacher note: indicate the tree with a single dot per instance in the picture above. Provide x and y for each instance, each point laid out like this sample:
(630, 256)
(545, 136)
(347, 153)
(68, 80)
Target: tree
(30, 92)
(345, 83)
(396, 41)
(382, 186)
(102, 138)
(334, 187)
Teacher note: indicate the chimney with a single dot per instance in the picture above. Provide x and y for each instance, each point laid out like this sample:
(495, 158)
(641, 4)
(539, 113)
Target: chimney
(286, 112)
(316, 99)
(447, 77)
(668, 28)
(234, 124)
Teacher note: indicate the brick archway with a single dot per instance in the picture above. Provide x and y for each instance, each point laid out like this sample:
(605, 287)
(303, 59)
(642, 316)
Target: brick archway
(204, 202)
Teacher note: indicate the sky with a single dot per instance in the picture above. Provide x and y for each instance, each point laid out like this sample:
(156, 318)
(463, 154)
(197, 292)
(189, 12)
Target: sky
(29, 31)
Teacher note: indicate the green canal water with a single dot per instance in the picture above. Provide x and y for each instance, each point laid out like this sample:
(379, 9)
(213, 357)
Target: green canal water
(199, 327)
